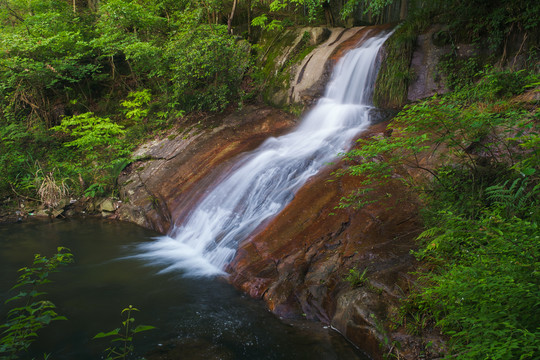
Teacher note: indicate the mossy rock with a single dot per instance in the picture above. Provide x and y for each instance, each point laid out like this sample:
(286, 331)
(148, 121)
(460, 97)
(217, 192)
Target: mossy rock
(395, 73)
(280, 54)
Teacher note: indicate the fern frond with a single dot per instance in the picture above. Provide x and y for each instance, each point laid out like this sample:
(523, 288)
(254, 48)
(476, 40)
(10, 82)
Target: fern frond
(430, 233)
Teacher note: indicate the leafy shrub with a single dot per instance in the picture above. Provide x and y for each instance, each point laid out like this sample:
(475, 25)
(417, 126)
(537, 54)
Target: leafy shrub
(89, 132)
(136, 107)
(356, 278)
(487, 296)
(207, 67)
(41, 58)
(24, 321)
(99, 147)
(493, 84)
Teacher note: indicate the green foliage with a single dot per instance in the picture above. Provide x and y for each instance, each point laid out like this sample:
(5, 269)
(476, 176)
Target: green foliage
(472, 20)
(486, 25)
(486, 297)
(494, 84)
(33, 314)
(489, 28)
(95, 190)
(127, 29)
(356, 278)
(136, 107)
(514, 200)
(476, 136)
(279, 13)
(207, 66)
(88, 71)
(43, 54)
(89, 131)
(99, 149)
(122, 338)
(374, 6)
(476, 147)
(459, 72)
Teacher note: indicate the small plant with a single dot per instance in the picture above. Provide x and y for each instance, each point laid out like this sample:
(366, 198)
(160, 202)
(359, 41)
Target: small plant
(122, 338)
(391, 348)
(89, 132)
(356, 278)
(51, 191)
(23, 322)
(94, 190)
(136, 107)
(514, 198)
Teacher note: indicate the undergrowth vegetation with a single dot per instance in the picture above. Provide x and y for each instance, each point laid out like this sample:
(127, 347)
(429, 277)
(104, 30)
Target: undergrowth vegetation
(473, 155)
(468, 33)
(80, 85)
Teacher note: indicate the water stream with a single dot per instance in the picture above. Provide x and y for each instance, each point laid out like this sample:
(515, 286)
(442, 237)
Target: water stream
(264, 181)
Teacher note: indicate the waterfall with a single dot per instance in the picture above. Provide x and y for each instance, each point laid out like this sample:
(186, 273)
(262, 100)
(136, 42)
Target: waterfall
(265, 180)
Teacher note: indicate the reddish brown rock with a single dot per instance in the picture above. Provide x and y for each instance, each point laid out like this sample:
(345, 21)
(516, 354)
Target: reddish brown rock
(299, 262)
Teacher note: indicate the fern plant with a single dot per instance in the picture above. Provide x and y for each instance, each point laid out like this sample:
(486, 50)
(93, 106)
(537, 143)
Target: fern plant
(513, 199)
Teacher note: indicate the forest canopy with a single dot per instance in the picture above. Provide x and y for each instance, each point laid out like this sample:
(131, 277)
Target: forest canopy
(127, 68)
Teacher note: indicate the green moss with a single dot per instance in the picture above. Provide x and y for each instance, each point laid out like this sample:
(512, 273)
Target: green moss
(274, 74)
(395, 73)
(295, 109)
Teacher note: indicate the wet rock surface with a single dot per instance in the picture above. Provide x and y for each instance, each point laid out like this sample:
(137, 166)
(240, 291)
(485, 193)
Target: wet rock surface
(173, 172)
(294, 81)
(309, 78)
(428, 80)
(299, 263)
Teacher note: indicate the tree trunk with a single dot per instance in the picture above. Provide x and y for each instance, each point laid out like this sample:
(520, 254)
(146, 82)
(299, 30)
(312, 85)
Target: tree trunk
(403, 10)
(229, 21)
(249, 19)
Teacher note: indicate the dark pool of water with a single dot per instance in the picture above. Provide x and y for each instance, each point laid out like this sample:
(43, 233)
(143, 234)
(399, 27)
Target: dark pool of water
(197, 318)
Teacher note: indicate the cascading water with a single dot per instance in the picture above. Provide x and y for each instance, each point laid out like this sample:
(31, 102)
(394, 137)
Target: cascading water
(264, 181)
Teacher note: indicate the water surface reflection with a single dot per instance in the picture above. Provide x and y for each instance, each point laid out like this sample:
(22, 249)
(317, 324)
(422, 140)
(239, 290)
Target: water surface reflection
(198, 318)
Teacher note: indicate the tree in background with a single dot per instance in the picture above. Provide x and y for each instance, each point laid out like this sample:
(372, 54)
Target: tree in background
(60, 60)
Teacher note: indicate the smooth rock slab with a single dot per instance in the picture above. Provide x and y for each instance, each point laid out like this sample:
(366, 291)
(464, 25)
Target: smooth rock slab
(173, 172)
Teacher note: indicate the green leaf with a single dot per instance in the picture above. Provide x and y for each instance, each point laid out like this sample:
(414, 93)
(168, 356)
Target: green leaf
(141, 328)
(110, 333)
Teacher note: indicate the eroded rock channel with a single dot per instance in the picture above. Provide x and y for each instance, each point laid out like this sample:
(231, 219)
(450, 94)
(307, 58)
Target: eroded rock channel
(298, 262)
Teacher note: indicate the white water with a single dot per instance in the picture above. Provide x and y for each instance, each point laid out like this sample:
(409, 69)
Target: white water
(264, 181)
